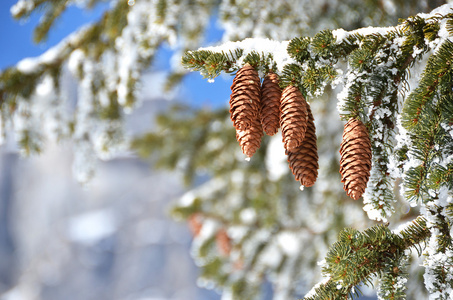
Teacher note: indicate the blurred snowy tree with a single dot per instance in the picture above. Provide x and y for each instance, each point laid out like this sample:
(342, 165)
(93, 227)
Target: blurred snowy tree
(251, 222)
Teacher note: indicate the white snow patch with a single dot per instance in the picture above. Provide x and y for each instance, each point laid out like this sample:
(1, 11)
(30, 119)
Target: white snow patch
(22, 6)
(259, 45)
(248, 215)
(340, 34)
(208, 230)
(88, 228)
(271, 255)
(312, 292)
(74, 61)
(237, 232)
(289, 243)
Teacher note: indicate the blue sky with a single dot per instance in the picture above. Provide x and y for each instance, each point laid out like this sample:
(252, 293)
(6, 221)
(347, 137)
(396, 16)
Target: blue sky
(17, 37)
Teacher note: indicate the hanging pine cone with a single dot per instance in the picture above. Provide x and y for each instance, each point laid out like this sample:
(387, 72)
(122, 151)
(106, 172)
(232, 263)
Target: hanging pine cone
(195, 223)
(244, 109)
(293, 118)
(223, 242)
(355, 163)
(270, 104)
(304, 161)
(245, 98)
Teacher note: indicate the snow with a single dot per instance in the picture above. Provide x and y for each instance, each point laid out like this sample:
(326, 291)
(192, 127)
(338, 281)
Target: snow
(448, 128)
(22, 6)
(75, 60)
(208, 230)
(441, 10)
(91, 227)
(35, 64)
(312, 292)
(248, 215)
(201, 191)
(45, 88)
(271, 255)
(341, 34)
(237, 232)
(289, 243)
(28, 65)
(262, 46)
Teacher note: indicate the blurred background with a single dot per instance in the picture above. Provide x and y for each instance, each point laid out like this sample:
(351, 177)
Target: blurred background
(110, 239)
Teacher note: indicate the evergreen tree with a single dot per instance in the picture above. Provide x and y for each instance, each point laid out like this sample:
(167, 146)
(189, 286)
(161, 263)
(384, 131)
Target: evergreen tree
(251, 223)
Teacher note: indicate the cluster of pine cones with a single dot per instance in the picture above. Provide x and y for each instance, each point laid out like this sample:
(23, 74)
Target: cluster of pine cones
(255, 107)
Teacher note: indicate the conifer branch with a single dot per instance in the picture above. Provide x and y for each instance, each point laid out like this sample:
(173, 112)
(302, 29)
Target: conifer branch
(358, 255)
(422, 116)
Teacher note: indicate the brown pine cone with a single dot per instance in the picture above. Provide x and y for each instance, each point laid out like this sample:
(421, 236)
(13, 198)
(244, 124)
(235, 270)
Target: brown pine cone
(304, 162)
(270, 104)
(223, 242)
(293, 118)
(245, 98)
(244, 109)
(250, 139)
(355, 163)
(195, 224)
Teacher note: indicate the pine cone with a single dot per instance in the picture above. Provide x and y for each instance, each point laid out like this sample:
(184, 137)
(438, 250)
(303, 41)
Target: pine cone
(195, 224)
(245, 98)
(270, 104)
(244, 109)
(355, 163)
(223, 242)
(304, 161)
(293, 118)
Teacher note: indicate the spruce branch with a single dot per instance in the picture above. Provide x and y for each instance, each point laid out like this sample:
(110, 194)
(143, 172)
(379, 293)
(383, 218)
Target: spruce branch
(393, 279)
(298, 48)
(439, 259)
(418, 101)
(422, 116)
(358, 255)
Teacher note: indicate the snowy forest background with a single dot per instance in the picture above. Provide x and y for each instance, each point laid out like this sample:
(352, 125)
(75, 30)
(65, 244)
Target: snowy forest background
(113, 238)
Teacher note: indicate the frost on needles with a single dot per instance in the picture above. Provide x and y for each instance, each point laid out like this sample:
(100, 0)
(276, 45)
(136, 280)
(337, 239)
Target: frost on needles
(409, 120)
